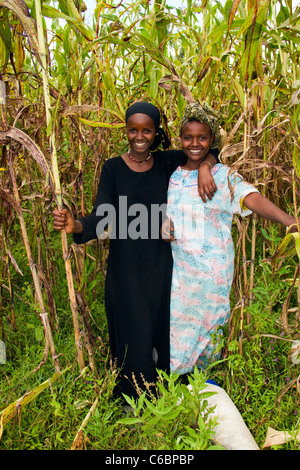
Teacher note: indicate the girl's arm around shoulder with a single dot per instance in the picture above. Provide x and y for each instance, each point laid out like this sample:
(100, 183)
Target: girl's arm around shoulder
(206, 183)
(263, 207)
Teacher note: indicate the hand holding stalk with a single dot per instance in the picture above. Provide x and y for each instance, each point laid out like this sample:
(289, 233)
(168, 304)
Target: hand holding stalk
(63, 220)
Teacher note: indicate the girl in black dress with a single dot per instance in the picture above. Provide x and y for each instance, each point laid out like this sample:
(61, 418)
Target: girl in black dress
(131, 198)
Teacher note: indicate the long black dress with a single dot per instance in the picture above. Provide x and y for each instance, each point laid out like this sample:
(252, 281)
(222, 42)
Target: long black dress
(138, 280)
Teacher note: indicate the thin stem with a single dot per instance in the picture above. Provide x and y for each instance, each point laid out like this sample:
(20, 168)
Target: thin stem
(56, 177)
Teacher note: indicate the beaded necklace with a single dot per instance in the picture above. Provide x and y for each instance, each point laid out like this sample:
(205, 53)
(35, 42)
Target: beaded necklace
(138, 161)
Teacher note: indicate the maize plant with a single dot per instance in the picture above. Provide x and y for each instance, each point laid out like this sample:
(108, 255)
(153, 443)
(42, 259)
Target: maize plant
(65, 86)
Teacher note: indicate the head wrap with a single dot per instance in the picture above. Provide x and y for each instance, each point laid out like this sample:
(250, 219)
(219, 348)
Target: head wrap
(204, 113)
(153, 112)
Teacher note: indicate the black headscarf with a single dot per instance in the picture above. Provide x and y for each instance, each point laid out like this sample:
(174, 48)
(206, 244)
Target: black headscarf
(153, 112)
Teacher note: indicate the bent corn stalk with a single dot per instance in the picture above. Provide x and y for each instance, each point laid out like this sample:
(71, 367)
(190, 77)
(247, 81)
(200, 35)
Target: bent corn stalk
(44, 314)
(56, 178)
(15, 202)
(14, 408)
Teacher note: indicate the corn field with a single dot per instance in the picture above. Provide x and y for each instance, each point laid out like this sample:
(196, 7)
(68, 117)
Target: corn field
(64, 87)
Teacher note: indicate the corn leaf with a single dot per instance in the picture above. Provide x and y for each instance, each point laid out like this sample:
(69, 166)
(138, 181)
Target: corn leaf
(107, 125)
(277, 438)
(18, 49)
(155, 53)
(258, 8)
(19, 8)
(296, 160)
(50, 12)
(289, 246)
(5, 34)
(232, 12)
(10, 411)
(31, 146)
(252, 39)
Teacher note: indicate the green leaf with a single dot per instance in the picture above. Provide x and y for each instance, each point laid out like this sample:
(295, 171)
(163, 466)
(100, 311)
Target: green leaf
(5, 34)
(107, 125)
(297, 243)
(296, 160)
(50, 12)
(232, 12)
(238, 89)
(289, 246)
(153, 83)
(109, 17)
(9, 412)
(265, 234)
(108, 82)
(155, 53)
(129, 421)
(20, 9)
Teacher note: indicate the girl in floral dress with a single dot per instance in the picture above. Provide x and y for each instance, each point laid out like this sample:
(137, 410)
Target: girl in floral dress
(202, 246)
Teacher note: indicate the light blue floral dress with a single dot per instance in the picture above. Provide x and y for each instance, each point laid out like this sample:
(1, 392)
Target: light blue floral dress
(203, 255)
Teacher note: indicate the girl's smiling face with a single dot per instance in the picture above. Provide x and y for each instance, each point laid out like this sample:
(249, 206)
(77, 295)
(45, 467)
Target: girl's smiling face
(196, 139)
(140, 133)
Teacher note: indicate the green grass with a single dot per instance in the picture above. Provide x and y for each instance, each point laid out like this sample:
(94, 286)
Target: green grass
(257, 379)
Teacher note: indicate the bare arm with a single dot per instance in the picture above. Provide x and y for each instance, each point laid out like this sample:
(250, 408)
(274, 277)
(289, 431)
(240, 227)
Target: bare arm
(266, 209)
(206, 183)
